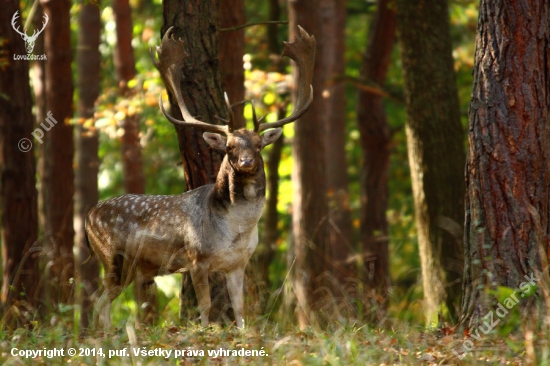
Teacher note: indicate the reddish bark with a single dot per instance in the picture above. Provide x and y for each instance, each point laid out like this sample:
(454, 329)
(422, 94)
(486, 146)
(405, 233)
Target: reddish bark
(124, 53)
(265, 252)
(333, 17)
(132, 159)
(196, 23)
(58, 182)
(508, 173)
(310, 206)
(87, 142)
(18, 196)
(230, 53)
(375, 142)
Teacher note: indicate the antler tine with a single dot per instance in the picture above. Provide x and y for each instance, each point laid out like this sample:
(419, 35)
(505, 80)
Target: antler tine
(302, 51)
(255, 118)
(171, 56)
(13, 19)
(44, 23)
(230, 123)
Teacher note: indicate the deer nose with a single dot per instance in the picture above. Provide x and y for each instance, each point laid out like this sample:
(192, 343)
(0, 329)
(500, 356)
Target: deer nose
(246, 162)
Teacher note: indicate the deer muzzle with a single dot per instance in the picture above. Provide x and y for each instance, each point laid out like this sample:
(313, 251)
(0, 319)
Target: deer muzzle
(246, 163)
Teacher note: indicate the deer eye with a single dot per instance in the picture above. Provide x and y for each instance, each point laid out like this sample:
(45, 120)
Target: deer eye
(229, 149)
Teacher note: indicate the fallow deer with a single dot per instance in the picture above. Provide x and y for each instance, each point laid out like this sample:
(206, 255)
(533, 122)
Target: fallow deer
(211, 228)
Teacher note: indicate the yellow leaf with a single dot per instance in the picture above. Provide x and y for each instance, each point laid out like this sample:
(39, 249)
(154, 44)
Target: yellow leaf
(120, 115)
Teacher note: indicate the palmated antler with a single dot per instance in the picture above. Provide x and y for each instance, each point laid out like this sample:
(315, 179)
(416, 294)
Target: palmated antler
(171, 57)
(302, 51)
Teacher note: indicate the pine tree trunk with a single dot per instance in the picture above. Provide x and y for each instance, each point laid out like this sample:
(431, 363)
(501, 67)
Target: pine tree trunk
(375, 142)
(231, 54)
(196, 22)
(435, 146)
(310, 206)
(58, 183)
(18, 196)
(132, 159)
(265, 252)
(508, 170)
(333, 18)
(87, 142)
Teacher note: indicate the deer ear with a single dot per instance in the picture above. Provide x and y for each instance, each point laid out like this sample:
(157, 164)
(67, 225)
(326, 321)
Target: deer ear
(215, 140)
(270, 136)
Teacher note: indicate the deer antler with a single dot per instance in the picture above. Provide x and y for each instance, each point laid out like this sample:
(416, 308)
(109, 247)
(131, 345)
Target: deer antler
(13, 19)
(171, 57)
(302, 51)
(34, 34)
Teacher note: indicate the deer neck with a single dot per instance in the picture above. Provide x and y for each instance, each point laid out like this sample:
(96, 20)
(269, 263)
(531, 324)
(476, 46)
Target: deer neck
(233, 187)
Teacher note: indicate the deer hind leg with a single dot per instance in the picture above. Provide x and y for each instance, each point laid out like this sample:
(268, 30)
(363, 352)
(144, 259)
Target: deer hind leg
(235, 280)
(146, 296)
(103, 305)
(113, 286)
(199, 277)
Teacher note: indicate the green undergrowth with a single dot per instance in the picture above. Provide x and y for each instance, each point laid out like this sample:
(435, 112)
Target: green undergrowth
(263, 343)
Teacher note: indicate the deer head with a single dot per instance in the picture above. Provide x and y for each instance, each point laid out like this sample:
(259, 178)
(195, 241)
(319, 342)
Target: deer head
(29, 41)
(242, 146)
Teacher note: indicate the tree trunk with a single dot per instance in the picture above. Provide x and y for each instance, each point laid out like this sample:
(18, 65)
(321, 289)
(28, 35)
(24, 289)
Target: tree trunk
(132, 159)
(375, 143)
(508, 171)
(196, 22)
(58, 183)
(273, 42)
(333, 17)
(87, 142)
(124, 52)
(231, 54)
(310, 207)
(435, 146)
(18, 196)
(266, 247)
(265, 252)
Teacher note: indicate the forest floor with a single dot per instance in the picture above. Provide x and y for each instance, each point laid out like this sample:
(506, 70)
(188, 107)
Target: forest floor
(264, 343)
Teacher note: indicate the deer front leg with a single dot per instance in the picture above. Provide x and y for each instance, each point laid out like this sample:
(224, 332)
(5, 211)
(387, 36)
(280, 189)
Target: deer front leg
(199, 277)
(235, 281)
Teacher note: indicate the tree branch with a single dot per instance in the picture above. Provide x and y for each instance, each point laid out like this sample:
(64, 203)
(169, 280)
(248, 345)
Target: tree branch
(251, 24)
(366, 85)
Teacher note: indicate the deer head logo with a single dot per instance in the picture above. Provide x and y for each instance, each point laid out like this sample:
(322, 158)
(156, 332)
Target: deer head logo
(29, 41)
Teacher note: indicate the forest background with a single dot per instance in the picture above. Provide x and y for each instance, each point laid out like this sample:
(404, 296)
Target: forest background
(385, 238)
